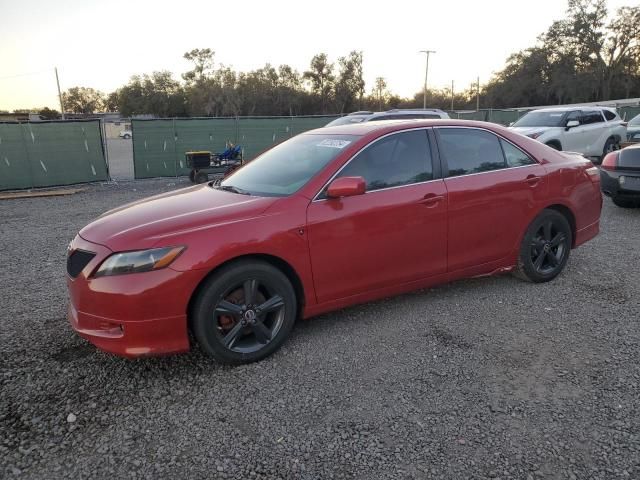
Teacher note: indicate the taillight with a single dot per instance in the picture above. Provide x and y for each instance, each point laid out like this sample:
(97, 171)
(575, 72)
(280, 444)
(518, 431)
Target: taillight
(610, 162)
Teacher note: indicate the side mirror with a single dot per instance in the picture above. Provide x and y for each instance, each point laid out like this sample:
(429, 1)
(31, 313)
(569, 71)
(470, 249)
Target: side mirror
(346, 187)
(572, 123)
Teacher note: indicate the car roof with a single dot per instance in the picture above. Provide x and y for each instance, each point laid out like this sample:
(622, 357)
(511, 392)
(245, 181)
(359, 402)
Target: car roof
(570, 109)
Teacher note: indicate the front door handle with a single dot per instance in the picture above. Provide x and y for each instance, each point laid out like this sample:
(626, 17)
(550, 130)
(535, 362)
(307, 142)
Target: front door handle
(431, 200)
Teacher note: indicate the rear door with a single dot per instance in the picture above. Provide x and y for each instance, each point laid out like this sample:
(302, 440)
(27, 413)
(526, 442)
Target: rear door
(574, 139)
(394, 233)
(493, 188)
(595, 132)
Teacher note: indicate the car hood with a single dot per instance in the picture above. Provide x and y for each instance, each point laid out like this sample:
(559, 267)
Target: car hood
(530, 130)
(143, 224)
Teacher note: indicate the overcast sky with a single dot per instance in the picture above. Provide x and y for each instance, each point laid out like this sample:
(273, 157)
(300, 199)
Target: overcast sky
(100, 44)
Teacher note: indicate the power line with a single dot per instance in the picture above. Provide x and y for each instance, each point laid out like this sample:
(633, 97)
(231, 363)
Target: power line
(25, 74)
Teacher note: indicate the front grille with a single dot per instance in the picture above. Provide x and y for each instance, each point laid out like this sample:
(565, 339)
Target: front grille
(77, 260)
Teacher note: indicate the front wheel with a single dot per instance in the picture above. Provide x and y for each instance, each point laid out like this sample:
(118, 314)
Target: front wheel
(545, 248)
(244, 312)
(610, 146)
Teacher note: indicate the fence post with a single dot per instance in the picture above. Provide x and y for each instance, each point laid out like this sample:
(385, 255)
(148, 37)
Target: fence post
(175, 146)
(26, 154)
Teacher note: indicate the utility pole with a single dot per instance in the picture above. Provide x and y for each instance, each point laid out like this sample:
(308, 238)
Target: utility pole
(426, 75)
(452, 95)
(59, 94)
(478, 96)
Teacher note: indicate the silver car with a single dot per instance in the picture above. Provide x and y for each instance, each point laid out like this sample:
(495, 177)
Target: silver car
(396, 114)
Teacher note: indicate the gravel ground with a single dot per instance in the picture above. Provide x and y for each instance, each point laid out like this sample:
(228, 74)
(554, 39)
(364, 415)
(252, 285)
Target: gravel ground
(120, 158)
(488, 378)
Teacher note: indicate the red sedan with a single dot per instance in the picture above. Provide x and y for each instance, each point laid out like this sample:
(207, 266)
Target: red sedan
(330, 218)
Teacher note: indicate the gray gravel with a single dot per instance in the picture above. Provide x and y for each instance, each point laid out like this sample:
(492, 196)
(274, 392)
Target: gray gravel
(488, 378)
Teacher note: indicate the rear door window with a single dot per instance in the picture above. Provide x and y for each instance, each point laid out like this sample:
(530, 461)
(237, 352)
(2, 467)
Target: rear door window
(589, 118)
(468, 150)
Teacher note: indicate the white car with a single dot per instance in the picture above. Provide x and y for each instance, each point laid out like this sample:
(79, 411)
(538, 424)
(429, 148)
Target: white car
(591, 131)
(126, 134)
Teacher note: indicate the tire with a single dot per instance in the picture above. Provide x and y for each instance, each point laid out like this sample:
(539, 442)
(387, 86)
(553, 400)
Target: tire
(554, 145)
(622, 203)
(545, 248)
(201, 177)
(222, 321)
(192, 176)
(127, 137)
(609, 146)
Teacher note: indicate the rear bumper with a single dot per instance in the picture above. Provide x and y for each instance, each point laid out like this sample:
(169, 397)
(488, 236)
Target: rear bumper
(132, 315)
(610, 184)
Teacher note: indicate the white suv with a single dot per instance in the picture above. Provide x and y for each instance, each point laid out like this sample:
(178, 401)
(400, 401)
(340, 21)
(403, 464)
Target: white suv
(591, 131)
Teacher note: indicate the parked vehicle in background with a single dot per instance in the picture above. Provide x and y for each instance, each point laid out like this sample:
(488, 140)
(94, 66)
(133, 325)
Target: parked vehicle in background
(591, 131)
(620, 177)
(126, 134)
(633, 130)
(327, 219)
(396, 114)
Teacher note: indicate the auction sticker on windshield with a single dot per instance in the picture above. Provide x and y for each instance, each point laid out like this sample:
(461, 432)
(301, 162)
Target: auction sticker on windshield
(331, 143)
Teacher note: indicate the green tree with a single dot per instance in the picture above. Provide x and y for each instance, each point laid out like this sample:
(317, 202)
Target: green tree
(83, 100)
(202, 59)
(321, 77)
(48, 114)
(349, 87)
(158, 94)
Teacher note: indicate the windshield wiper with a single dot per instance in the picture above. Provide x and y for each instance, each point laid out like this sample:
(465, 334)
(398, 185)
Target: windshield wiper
(231, 188)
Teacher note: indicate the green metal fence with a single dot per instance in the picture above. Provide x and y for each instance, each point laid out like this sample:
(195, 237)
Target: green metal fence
(159, 145)
(45, 154)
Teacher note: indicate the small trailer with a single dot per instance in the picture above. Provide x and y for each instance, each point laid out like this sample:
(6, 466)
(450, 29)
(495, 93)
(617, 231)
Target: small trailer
(203, 163)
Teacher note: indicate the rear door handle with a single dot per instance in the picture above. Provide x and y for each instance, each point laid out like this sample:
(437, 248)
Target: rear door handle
(431, 199)
(533, 180)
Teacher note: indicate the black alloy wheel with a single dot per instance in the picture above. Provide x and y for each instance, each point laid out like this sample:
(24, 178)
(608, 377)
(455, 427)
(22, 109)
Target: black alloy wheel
(244, 312)
(545, 247)
(248, 316)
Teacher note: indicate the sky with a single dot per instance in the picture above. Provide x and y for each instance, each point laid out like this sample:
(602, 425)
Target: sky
(100, 44)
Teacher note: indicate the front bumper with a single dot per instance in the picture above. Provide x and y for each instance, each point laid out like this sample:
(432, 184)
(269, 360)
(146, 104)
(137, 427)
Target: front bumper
(139, 314)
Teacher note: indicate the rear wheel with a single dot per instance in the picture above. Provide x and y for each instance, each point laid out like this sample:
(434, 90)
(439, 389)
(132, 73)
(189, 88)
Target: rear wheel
(610, 145)
(545, 248)
(623, 203)
(244, 313)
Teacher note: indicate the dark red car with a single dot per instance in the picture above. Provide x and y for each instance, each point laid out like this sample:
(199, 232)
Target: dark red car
(329, 218)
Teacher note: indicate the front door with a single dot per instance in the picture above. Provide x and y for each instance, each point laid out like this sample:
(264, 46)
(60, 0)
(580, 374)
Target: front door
(394, 233)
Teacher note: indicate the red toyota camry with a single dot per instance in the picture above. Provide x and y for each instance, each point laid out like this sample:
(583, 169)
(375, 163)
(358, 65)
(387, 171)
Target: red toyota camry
(329, 218)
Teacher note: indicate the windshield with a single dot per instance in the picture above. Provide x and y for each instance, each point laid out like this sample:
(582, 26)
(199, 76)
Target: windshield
(541, 119)
(635, 121)
(347, 120)
(285, 168)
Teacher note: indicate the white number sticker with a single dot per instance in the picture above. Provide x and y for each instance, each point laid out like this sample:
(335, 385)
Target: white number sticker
(331, 143)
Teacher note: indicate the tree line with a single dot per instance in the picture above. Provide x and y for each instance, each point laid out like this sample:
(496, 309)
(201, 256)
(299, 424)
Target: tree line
(587, 56)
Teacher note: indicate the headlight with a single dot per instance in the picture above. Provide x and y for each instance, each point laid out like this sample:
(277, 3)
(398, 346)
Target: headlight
(534, 135)
(139, 261)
